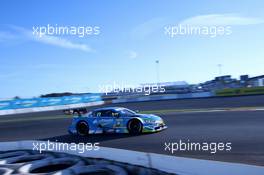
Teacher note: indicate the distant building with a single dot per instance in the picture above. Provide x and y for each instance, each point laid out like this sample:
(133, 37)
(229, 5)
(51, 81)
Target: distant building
(244, 78)
(182, 87)
(220, 82)
(225, 78)
(256, 81)
(177, 87)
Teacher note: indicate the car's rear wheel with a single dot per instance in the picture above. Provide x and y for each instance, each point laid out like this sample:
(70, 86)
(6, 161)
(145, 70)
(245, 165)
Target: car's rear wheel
(82, 128)
(134, 126)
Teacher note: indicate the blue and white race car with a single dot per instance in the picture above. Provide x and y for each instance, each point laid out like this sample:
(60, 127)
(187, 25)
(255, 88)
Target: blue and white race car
(115, 120)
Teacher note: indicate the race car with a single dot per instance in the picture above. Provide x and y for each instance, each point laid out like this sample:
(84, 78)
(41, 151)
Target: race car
(115, 120)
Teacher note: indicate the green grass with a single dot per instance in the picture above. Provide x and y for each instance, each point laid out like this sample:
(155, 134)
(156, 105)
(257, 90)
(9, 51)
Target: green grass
(240, 91)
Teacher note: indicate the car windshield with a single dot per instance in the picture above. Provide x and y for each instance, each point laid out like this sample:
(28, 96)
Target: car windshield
(128, 112)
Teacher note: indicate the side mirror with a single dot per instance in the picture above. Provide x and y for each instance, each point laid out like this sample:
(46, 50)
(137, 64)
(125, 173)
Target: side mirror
(137, 111)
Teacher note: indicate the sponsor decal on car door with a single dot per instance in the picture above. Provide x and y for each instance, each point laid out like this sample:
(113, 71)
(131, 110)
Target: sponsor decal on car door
(107, 121)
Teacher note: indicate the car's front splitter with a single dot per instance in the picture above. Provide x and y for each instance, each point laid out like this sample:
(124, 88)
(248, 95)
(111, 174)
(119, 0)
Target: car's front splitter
(149, 129)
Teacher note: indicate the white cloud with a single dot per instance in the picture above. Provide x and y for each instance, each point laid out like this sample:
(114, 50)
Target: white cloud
(132, 54)
(147, 28)
(221, 19)
(56, 41)
(5, 35)
(50, 40)
(8, 75)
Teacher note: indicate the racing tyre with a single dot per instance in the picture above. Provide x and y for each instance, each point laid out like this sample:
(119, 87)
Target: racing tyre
(134, 127)
(82, 128)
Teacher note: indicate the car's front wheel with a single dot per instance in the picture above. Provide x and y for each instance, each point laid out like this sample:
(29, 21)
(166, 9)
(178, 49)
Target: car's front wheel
(82, 128)
(134, 126)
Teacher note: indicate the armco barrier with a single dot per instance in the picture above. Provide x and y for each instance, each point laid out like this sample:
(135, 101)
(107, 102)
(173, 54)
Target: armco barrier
(50, 101)
(19, 106)
(49, 108)
(48, 104)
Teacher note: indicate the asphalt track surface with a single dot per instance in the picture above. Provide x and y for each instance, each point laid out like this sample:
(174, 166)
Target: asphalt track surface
(244, 129)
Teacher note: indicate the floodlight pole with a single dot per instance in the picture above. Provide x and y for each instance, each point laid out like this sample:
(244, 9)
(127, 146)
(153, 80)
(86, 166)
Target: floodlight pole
(220, 69)
(157, 71)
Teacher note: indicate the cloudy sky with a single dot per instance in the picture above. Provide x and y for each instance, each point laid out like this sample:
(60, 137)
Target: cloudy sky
(131, 38)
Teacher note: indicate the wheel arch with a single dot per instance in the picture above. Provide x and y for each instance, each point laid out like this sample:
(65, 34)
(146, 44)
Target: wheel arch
(86, 123)
(136, 118)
